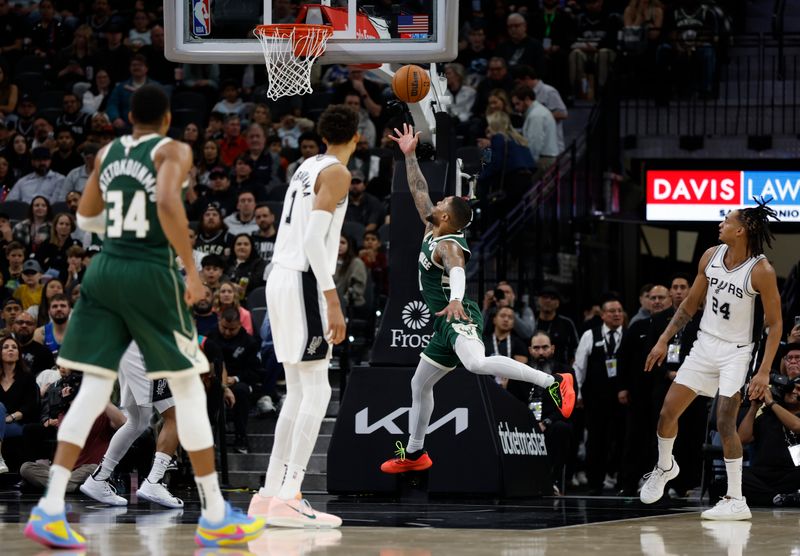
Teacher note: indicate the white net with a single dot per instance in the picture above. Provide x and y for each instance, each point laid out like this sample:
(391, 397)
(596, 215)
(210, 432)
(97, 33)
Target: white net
(289, 53)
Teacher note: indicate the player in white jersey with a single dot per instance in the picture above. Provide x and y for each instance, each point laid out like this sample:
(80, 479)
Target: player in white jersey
(306, 317)
(139, 396)
(730, 277)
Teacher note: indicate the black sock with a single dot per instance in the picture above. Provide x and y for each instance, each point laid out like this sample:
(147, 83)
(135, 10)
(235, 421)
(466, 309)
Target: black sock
(415, 455)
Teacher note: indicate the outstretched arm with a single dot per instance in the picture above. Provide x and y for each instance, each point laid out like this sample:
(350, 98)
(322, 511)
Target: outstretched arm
(407, 141)
(452, 259)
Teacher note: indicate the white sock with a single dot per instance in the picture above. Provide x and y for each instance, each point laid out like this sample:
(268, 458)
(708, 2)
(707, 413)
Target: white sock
(292, 481)
(53, 501)
(273, 480)
(211, 499)
(733, 467)
(414, 444)
(160, 464)
(105, 470)
(665, 452)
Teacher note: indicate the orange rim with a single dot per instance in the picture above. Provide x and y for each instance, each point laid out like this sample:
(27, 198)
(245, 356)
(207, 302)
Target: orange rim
(300, 30)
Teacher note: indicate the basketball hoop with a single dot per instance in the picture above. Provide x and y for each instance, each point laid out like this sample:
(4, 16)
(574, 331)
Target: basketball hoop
(290, 50)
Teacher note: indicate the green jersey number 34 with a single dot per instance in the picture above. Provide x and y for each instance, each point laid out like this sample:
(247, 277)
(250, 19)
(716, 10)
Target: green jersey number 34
(134, 220)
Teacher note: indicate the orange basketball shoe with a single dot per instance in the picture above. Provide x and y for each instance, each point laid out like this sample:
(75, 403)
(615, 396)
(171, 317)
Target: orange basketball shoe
(563, 393)
(402, 463)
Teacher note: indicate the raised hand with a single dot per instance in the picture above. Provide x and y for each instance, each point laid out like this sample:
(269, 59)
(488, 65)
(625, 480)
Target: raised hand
(407, 140)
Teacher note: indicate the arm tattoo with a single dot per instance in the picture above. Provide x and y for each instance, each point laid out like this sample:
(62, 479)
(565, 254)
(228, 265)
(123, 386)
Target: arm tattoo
(418, 187)
(679, 320)
(451, 255)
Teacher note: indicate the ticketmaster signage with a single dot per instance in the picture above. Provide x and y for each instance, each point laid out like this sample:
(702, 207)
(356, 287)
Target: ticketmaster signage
(708, 195)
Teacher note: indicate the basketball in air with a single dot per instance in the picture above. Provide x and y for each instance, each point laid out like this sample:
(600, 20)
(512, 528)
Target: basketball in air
(411, 83)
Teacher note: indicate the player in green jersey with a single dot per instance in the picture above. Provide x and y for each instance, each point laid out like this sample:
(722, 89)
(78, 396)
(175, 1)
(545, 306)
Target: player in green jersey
(133, 291)
(458, 325)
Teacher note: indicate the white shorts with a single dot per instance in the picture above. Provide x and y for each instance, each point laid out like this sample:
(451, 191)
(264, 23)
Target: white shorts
(134, 386)
(714, 364)
(297, 315)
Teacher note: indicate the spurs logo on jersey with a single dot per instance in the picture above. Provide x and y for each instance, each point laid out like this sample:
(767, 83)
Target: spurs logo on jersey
(730, 311)
(297, 207)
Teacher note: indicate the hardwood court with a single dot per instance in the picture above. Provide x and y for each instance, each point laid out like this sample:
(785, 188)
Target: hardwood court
(550, 526)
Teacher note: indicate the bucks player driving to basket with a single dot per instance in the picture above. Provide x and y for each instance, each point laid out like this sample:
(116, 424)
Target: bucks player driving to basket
(457, 329)
(731, 277)
(133, 291)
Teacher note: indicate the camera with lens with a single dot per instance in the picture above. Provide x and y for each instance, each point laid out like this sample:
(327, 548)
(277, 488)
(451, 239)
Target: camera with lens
(780, 385)
(57, 402)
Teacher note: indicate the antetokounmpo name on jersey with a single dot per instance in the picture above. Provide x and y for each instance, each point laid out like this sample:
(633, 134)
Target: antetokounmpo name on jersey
(129, 168)
(724, 286)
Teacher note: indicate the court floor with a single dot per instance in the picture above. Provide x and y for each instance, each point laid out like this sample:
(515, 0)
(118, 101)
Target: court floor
(548, 526)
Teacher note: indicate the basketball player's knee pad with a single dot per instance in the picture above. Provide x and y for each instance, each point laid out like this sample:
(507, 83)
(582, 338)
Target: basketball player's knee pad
(89, 403)
(472, 356)
(315, 387)
(191, 418)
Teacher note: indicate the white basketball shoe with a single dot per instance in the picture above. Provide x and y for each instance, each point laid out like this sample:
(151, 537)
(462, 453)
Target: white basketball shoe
(653, 488)
(102, 491)
(158, 494)
(728, 509)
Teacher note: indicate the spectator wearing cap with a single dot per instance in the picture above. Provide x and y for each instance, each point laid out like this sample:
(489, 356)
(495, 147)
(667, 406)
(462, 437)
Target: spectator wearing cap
(211, 233)
(561, 329)
(21, 122)
(30, 292)
(119, 104)
(74, 117)
(243, 221)
(115, 57)
(546, 95)
(36, 356)
(35, 230)
(233, 144)
(309, 146)
(42, 181)
(497, 77)
(65, 157)
(219, 193)
(76, 179)
(363, 207)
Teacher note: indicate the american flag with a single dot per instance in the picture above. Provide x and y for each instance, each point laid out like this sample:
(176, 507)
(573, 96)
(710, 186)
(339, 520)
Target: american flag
(412, 24)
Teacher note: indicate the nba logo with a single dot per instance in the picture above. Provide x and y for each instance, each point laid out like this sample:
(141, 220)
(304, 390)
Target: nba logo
(201, 18)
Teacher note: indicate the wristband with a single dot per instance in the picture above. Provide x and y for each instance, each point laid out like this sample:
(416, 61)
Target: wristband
(769, 405)
(95, 224)
(458, 283)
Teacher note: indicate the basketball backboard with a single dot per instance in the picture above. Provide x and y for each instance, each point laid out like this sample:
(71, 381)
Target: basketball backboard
(365, 31)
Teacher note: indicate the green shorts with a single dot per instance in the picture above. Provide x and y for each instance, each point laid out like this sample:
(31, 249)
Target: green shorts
(440, 351)
(128, 299)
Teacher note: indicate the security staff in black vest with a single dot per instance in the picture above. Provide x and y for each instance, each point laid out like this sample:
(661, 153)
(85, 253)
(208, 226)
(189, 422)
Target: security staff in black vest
(596, 369)
(636, 391)
(692, 424)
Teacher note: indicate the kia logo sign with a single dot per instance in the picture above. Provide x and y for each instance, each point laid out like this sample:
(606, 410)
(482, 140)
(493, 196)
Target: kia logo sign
(416, 315)
(459, 415)
(709, 195)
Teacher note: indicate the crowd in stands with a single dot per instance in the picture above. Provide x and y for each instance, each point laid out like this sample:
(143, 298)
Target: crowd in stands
(67, 73)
